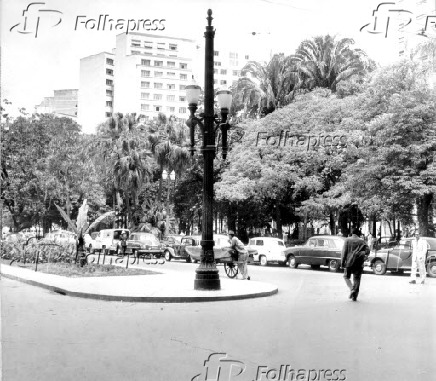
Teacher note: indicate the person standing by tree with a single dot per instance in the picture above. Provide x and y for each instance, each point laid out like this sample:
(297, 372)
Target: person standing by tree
(419, 254)
(239, 248)
(353, 257)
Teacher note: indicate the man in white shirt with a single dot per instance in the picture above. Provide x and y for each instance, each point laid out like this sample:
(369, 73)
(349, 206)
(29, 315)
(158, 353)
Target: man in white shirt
(419, 254)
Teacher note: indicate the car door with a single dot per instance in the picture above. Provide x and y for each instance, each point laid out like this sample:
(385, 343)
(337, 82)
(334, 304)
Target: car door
(331, 251)
(320, 251)
(306, 252)
(405, 254)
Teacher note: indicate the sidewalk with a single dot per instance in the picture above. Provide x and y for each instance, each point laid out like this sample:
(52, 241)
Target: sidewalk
(166, 286)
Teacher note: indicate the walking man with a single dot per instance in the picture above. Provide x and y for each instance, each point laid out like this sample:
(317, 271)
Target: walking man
(419, 254)
(353, 257)
(238, 246)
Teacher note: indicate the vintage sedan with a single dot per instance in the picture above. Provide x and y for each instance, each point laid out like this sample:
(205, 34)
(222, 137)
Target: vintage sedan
(175, 247)
(322, 250)
(143, 244)
(398, 259)
(220, 249)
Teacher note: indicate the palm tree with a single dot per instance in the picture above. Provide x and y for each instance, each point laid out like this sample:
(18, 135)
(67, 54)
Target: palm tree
(324, 62)
(123, 149)
(265, 86)
(168, 144)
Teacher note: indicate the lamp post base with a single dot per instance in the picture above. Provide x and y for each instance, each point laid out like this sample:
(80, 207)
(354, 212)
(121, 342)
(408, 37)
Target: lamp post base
(207, 279)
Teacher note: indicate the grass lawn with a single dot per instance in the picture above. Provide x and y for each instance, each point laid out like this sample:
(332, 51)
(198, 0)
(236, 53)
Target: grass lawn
(75, 271)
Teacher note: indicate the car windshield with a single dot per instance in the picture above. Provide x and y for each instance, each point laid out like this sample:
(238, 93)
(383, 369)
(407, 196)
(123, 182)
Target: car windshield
(405, 244)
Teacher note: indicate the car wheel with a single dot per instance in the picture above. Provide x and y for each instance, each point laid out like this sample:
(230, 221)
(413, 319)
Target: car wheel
(263, 260)
(292, 262)
(167, 256)
(334, 265)
(431, 269)
(379, 267)
(315, 267)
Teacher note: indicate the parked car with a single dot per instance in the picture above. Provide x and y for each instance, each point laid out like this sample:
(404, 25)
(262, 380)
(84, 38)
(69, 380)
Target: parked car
(175, 247)
(321, 250)
(109, 239)
(221, 248)
(399, 258)
(269, 249)
(141, 243)
(90, 242)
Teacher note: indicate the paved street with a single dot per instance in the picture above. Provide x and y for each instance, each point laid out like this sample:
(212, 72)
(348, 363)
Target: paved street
(310, 325)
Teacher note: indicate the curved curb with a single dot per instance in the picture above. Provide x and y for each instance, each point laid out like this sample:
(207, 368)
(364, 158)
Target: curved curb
(143, 299)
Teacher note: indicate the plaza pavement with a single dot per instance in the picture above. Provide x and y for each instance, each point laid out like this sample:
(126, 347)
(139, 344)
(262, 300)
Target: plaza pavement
(163, 286)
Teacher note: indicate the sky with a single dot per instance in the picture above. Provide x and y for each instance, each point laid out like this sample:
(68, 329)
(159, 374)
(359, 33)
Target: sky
(38, 58)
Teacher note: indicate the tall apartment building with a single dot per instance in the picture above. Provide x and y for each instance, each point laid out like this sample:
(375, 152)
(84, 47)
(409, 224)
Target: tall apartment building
(151, 74)
(63, 103)
(147, 74)
(96, 90)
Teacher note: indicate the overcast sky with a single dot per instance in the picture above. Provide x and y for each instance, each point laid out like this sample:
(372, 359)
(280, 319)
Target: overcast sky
(32, 67)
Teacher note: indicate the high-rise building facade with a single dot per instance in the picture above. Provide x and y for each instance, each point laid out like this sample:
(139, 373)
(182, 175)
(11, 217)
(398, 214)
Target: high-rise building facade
(96, 90)
(151, 74)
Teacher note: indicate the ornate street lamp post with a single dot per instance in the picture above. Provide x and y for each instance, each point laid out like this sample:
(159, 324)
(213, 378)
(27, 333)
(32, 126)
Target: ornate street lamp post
(172, 177)
(207, 277)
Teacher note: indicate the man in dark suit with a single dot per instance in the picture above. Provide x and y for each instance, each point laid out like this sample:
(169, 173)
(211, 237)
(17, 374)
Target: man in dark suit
(353, 257)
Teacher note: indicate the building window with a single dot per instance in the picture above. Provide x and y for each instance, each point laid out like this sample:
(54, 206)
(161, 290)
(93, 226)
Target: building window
(182, 98)
(233, 55)
(182, 87)
(145, 62)
(223, 71)
(110, 61)
(108, 115)
(109, 72)
(171, 64)
(223, 82)
(171, 86)
(109, 93)
(182, 110)
(158, 73)
(217, 63)
(145, 73)
(215, 71)
(145, 107)
(171, 109)
(135, 52)
(158, 85)
(183, 65)
(136, 43)
(157, 108)
(247, 57)
(109, 103)
(236, 73)
(171, 74)
(148, 45)
(173, 47)
(171, 98)
(216, 53)
(157, 97)
(158, 63)
(183, 77)
(161, 45)
(145, 95)
(109, 82)
(145, 85)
